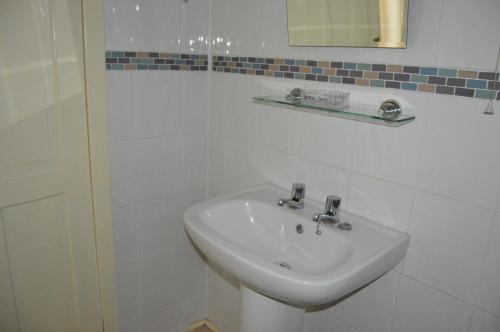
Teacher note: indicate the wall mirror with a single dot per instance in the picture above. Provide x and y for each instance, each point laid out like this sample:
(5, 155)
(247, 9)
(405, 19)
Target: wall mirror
(348, 23)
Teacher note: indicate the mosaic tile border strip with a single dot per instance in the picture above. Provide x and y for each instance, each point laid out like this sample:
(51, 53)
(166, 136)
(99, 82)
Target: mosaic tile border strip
(131, 60)
(447, 81)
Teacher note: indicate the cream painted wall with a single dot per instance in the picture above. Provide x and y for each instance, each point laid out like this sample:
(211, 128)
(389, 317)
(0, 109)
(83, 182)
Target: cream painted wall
(437, 178)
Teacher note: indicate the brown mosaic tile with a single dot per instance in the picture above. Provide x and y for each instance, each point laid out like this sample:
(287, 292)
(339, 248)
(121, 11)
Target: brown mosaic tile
(143, 54)
(279, 61)
(370, 74)
(130, 66)
(304, 69)
(362, 81)
(251, 71)
(426, 88)
(164, 55)
(330, 71)
(274, 67)
(467, 74)
(268, 73)
(324, 64)
(395, 68)
(185, 67)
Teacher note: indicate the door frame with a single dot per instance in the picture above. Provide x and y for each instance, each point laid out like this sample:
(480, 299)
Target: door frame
(95, 81)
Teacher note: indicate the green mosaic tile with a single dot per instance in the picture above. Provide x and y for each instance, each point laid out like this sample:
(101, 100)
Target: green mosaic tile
(300, 62)
(448, 72)
(335, 79)
(377, 83)
(299, 76)
(364, 66)
(484, 94)
(136, 60)
(418, 78)
(164, 67)
(117, 66)
(109, 54)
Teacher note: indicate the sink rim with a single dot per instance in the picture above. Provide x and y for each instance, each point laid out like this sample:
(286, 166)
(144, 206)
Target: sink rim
(289, 285)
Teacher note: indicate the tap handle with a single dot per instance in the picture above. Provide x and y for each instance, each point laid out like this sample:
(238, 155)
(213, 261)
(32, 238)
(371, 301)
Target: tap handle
(332, 205)
(298, 191)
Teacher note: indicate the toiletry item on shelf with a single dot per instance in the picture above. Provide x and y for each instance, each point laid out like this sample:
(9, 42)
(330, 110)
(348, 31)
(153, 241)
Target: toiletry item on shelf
(336, 99)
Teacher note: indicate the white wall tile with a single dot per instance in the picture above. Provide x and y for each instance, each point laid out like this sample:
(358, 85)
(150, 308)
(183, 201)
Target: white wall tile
(191, 162)
(158, 281)
(233, 166)
(167, 23)
(484, 322)
(144, 35)
(488, 296)
(119, 99)
(193, 102)
(275, 32)
(124, 234)
(392, 153)
(157, 227)
(191, 309)
(482, 40)
(131, 325)
(322, 180)
(319, 321)
(460, 159)
(279, 129)
(448, 243)
(122, 183)
(185, 201)
(236, 26)
(194, 32)
(327, 140)
(340, 326)
(420, 308)
(160, 320)
(156, 104)
(370, 309)
(128, 283)
(233, 114)
(384, 202)
(156, 167)
(117, 14)
(277, 168)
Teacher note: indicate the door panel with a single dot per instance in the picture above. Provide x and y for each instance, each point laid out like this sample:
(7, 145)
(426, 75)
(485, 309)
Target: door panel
(48, 268)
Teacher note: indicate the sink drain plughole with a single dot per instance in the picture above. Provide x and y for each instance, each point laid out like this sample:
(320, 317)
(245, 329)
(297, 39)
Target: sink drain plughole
(284, 265)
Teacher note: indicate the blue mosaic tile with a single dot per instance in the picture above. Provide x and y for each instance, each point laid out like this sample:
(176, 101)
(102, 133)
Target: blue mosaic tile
(429, 71)
(409, 86)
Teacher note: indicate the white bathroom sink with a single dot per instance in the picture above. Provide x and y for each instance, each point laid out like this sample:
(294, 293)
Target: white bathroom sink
(248, 235)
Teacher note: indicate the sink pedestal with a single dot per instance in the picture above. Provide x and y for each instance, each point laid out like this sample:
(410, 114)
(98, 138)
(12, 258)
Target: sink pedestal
(260, 313)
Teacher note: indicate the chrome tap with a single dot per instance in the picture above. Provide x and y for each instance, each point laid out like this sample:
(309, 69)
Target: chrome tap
(297, 197)
(331, 213)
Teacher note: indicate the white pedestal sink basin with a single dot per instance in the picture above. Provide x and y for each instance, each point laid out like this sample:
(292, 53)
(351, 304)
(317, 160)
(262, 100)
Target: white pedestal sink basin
(281, 271)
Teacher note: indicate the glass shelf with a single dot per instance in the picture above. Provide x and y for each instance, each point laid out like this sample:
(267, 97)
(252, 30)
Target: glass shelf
(357, 113)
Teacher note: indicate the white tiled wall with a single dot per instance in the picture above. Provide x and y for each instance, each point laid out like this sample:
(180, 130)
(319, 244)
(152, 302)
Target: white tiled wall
(158, 134)
(437, 178)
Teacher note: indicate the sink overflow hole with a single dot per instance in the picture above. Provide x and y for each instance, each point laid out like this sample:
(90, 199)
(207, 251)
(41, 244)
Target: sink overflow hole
(284, 265)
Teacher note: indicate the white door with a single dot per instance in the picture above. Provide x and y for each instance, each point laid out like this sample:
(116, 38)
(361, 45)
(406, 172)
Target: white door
(48, 270)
